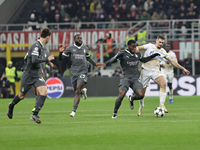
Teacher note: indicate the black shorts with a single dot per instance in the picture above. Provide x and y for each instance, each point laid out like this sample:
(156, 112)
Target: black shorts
(27, 82)
(134, 84)
(82, 78)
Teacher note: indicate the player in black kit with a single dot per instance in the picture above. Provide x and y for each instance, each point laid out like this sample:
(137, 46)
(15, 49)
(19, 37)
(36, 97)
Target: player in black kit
(79, 55)
(129, 60)
(32, 75)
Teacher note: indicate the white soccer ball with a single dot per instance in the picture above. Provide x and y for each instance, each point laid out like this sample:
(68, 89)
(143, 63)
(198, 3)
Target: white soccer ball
(159, 112)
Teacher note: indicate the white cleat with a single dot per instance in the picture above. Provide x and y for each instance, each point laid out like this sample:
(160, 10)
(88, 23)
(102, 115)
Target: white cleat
(84, 93)
(140, 111)
(165, 109)
(72, 114)
(114, 116)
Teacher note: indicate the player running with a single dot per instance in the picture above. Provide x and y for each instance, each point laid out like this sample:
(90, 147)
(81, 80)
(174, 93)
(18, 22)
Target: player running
(168, 71)
(129, 60)
(32, 75)
(79, 55)
(151, 70)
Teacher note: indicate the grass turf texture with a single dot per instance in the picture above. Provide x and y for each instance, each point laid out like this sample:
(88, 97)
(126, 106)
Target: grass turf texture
(93, 129)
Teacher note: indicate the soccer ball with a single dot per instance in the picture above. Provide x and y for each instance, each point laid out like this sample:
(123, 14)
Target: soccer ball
(159, 112)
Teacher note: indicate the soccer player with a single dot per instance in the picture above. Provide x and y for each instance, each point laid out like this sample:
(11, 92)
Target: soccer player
(129, 60)
(151, 70)
(168, 71)
(32, 75)
(79, 55)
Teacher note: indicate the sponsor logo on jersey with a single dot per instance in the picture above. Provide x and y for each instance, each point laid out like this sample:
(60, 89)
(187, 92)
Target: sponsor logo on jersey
(55, 88)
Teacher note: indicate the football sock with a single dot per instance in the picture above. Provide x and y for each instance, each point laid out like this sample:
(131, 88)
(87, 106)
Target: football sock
(162, 96)
(171, 94)
(142, 102)
(75, 107)
(16, 100)
(40, 99)
(117, 105)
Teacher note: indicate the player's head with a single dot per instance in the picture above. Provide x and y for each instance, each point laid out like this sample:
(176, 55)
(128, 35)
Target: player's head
(131, 46)
(45, 34)
(167, 47)
(78, 40)
(108, 35)
(160, 41)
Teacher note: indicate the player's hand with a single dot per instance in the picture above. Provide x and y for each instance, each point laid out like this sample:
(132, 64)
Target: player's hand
(51, 64)
(61, 48)
(186, 72)
(51, 57)
(102, 65)
(136, 50)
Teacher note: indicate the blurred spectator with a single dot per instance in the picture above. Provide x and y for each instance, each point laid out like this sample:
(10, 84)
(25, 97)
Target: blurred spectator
(117, 73)
(116, 11)
(128, 17)
(54, 72)
(83, 12)
(161, 16)
(161, 9)
(182, 16)
(53, 6)
(109, 17)
(110, 47)
(175, 4)
(99, 15)
(140, 10)
(133, 11)
(67, 20)
(184, 29)
(44, 6)
(177, 27)
(151, 10)
(129, 37)
(119, 18)
(11, 74)
(70, 10)
(41, 23)
(156, 4)
(32, 22)
(105, 6)
(36, 13)
(147, 4)
(129, 4)
(145, 16)
(141, 35)
(182, 10)
(193, 7)
(4, 87)
(28, 28)
(57, 19)
(112, 6)
(112, 24)
(93, 6)
(154, 16)
(123, 11)
(170, 11)
(188, 62)
(47, 15)
(139, 3)
(87, 25)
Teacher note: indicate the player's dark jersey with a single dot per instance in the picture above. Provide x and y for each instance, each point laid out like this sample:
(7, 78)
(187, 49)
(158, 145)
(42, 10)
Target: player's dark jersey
(129, 63)
(79, 57)
(35, 56)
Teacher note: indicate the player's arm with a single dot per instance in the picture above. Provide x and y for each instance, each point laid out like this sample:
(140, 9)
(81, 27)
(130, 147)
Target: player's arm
(63, 52)
(177, 65)
(36, 59)
(99, 64)
(119, 55)
(146, 59)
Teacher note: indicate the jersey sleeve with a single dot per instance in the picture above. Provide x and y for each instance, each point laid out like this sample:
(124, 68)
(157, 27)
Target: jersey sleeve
(174, 57)
(87, 54)
(139, 55)
(67, 52)
(146, 46)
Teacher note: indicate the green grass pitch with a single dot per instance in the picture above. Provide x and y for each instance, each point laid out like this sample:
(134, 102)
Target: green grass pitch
(93, 129)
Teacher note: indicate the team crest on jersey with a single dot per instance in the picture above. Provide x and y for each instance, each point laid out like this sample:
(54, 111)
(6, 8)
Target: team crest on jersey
(74, 50)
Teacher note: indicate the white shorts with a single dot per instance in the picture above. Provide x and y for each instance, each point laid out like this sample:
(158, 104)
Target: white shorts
(146, 75)
(168, 76)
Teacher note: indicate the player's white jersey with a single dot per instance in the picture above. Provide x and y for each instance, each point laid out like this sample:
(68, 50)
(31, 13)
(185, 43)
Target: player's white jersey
(167, 65)
(154, 63)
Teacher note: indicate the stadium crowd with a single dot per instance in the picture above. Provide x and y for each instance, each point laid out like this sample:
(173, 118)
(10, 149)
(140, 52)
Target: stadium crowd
(77, 11)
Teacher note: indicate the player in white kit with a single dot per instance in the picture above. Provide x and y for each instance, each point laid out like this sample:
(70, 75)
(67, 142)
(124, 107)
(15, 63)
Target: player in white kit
(151, 70)
(168, 71)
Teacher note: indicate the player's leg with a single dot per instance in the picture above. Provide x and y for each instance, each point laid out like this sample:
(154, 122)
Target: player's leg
(76, 98)
(170, 93)
(26, 84)
(161, 81)
(118, 102)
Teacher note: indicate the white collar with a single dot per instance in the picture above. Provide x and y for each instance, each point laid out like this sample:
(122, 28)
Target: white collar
(129, 52)
(77, 46)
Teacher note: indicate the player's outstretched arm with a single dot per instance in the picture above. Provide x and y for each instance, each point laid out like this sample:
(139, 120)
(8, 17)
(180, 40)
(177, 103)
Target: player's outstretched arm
(177, 65)
(114, 59)
(145, 59)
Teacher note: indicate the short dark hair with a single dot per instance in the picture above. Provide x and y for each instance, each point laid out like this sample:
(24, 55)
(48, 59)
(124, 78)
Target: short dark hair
(167, 44)
(130, 42)
(161, 37)
(45, 32)
(76, 36)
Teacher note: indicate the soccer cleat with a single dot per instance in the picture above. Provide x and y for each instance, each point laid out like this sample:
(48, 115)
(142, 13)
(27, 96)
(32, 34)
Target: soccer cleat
(114, 116)
(84, 93)
(35, 118)
(170, 101)
(33, 110)
(165, 109)
(131, 102)
(140, 111)
(72, 114)
(10, 111)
